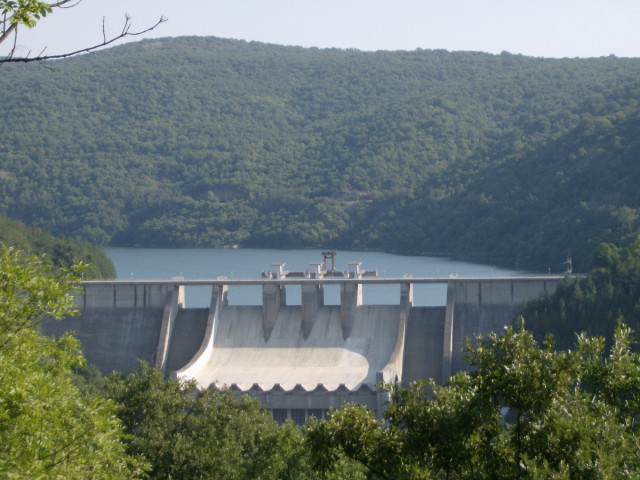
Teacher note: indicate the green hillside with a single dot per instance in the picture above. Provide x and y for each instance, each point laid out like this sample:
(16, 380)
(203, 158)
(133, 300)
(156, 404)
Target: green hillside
(206, 142)
(62, 252)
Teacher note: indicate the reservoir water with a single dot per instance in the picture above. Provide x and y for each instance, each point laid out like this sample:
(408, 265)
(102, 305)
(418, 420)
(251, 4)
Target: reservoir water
(249, 263)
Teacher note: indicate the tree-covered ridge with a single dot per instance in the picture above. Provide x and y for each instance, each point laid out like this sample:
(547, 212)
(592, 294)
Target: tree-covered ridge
(60, 251)
(565, 188)
(206, 142)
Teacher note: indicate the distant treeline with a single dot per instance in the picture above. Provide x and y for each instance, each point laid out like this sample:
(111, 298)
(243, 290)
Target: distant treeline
(61, 251)
(206, 142)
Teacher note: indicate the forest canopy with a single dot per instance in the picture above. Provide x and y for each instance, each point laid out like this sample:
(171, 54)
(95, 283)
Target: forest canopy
(60, 251)
(208, 142)
(595, 304)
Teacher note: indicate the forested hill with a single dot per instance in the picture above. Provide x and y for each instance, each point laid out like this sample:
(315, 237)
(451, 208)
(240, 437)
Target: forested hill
(206, 142)
(60, 251)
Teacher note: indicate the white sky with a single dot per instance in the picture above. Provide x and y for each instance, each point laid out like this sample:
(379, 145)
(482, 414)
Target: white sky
(543, 28)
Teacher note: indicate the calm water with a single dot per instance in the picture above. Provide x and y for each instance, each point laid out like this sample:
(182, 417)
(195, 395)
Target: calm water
(243, 263)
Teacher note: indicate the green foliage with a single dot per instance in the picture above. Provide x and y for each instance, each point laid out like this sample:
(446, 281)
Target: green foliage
(48, 429)
(593, 304)
(60, 250)
(525, 411)
(361, 437)
(191, 434)
(24, 12)
(88, 379)
(209, 142)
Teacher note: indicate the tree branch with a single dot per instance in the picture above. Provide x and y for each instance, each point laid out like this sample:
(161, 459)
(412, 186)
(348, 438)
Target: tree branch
(63, 4)
(125, 32)
(8, 31)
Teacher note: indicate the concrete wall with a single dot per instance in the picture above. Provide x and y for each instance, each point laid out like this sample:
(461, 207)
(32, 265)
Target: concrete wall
(113, 339)
(423, 345)
(121, 322)
(320, 398)
(123, 295)
(479, 307)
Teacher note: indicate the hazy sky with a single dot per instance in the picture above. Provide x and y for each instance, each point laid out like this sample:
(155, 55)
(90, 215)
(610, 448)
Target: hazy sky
(545, 28)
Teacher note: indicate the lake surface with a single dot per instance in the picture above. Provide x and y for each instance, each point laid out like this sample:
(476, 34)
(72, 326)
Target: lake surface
(249, 263)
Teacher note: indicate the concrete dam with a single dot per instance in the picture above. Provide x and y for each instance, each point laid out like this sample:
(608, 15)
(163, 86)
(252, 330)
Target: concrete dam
(298, 360)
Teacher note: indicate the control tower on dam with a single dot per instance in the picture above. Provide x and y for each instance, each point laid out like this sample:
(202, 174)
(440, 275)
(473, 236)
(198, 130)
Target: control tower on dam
(298, 360)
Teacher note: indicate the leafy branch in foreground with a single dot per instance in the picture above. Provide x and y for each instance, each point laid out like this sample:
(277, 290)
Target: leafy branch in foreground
(14, 14)
(48, 429)
(31, 290)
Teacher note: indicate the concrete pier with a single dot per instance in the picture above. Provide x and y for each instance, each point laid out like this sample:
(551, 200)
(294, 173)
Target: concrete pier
(297, 359)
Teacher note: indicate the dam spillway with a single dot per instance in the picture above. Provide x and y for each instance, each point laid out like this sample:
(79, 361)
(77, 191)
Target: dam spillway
(297, 360)
(242, 357)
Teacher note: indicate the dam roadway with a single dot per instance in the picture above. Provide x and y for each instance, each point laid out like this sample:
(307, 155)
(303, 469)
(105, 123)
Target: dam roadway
(298, 360)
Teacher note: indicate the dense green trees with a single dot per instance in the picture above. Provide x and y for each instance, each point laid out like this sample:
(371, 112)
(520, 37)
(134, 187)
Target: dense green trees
(62, 252)
(524, 412)
(48, 428)
(205, 142)
(593, 304)
(190, 434)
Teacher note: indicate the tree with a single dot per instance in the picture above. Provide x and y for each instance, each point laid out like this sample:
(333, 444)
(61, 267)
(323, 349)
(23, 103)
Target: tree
(48, 429)
(26, 13)
(191, 434)
(594, 304)
(525, 411)
(353, 432)
(60, 251)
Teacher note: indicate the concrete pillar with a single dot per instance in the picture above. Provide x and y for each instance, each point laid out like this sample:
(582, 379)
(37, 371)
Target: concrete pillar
(273, 297)
(406, 296)
(312, 299)
(219, 296)
(406, 303)
(174, 301)
(392, 371)
(219, 300)
(447, 348)
(350, 299)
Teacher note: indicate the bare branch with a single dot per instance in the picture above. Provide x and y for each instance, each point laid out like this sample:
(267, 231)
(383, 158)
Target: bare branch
(63, 4)
(125, 32)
